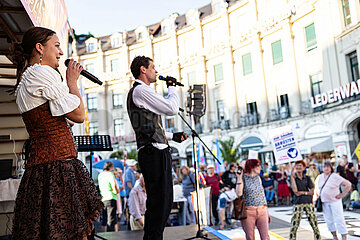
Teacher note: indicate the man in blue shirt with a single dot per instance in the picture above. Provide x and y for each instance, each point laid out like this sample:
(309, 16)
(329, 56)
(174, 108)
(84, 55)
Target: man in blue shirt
(130, 176)
(268, 185)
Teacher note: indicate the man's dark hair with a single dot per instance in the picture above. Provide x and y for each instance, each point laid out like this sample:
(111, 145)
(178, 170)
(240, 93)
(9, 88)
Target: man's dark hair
(137, 63)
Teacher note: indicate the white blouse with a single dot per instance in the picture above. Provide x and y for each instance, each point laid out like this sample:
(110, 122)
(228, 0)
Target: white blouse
(42, 83)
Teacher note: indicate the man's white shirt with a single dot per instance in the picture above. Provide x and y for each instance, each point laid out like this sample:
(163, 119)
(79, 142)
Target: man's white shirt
(145, 97)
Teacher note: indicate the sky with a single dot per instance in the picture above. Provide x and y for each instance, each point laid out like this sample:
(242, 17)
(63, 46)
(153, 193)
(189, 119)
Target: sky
(105, 17)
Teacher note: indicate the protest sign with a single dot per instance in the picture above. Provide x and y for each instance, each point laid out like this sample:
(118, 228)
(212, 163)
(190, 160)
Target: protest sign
(253, 154)
(284, 145)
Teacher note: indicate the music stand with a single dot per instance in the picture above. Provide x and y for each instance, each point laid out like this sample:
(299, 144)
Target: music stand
(87, 143)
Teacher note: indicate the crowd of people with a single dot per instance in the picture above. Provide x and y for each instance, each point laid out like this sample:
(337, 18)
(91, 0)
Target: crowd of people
(298, 184)
(124, 197)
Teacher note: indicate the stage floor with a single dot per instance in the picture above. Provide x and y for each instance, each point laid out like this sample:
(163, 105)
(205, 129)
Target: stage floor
(170, 233)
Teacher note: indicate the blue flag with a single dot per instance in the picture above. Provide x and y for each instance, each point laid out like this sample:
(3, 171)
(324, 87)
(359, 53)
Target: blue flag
(219, 168)
(200, 154)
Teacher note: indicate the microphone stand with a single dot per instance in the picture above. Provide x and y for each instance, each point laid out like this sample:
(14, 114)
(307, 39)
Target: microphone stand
(194, 134)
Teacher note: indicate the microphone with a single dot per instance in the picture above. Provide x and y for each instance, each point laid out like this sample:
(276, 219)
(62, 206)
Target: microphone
(86, 74)
(168, 78)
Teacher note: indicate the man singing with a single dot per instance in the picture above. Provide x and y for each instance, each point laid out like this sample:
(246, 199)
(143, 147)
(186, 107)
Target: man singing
(144, 107)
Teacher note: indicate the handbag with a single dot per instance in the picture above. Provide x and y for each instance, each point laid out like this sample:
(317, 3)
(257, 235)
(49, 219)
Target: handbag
(239, 209)
(239, 212)
(318, 203)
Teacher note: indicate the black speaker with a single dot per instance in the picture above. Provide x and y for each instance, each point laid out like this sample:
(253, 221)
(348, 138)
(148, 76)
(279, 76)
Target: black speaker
(196, 100)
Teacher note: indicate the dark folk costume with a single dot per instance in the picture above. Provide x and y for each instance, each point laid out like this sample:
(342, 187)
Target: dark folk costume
(57, 198)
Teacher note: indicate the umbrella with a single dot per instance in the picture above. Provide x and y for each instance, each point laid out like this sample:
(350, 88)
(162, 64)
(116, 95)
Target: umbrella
(117, 163)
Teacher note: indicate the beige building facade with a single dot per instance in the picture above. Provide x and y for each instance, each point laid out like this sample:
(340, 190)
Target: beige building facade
(265, 63)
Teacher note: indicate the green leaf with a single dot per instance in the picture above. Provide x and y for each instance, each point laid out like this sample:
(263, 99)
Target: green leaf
(230, 153)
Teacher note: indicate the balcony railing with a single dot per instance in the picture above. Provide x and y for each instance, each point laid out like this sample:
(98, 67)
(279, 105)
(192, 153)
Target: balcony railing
(279, 113)
(221, 124)
(249, 119)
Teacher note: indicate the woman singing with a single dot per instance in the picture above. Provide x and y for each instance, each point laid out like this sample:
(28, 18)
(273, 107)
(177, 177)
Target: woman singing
(57, 198)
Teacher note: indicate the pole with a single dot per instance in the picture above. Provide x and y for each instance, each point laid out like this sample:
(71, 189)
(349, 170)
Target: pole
(199, 233)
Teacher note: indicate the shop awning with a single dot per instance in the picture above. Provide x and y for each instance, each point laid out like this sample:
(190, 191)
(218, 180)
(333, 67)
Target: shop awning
(251, 142)
(326, 145)
(267, 148)
(315, 145)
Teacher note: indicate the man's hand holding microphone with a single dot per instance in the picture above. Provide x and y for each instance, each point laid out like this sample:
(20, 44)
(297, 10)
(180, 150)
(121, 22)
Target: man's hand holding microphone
(170, 81)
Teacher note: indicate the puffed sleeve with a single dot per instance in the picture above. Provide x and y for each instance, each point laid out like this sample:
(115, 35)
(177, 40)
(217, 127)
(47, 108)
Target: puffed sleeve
(60, 100)
(47, 84)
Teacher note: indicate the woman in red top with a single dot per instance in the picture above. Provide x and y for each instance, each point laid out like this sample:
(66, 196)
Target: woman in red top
(213, 181)
(283, 188)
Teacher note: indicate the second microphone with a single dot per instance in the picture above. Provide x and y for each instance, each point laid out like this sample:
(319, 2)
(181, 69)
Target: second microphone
(172, 79)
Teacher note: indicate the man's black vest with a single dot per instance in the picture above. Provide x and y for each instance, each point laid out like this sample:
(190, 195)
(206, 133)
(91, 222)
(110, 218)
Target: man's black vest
(146, 124)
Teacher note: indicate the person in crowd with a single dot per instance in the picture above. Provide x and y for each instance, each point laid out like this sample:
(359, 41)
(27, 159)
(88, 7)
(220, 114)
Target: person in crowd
(273, 171)
(203, 169)
(268, 185)
(137, 205)
(250, 185)
(55, 182)
(212, 180)
(120, 197)
(266, 168)
(350, 174)
(307, 161)
(354, 198)
(188, 185)
(108, 190)
(312, 171)
(176, 174)
(331, 199)
(340, 169)
(303, 189)
(344, 171)
(357, 165)
(226, 197)
(229, 177)
(130, 176)
(283, 188)
(229, 181)
(226, 164)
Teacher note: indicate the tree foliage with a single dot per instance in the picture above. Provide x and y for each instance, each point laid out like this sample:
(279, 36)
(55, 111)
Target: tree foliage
(132, 154)
(118, 154)
(230, 153)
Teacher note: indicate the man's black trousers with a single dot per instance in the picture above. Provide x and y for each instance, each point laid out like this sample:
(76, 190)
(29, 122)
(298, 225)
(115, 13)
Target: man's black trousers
(214, 205)
(156, 166)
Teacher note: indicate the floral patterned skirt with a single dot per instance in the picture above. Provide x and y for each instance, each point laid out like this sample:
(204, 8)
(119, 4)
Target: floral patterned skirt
(56, 200)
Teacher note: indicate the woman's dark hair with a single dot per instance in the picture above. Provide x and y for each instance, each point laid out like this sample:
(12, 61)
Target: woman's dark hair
(21, 53)
(328, 164)
(108, 165)
(250, 164)
(137, 63)
(232, 165)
